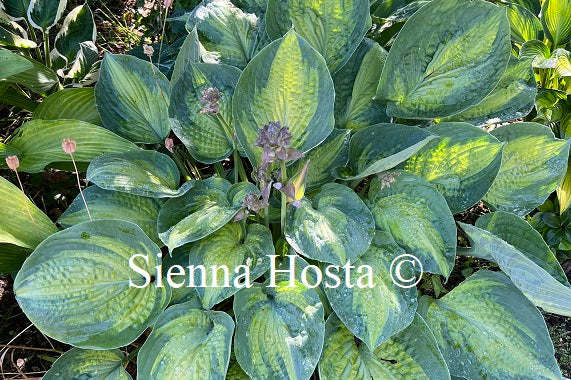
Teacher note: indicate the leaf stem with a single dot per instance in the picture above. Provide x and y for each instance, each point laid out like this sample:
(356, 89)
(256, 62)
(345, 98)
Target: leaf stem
(35, 39)
(79, 185)
(219, 169)
(47, 49)
(236, 164)
(284, 198)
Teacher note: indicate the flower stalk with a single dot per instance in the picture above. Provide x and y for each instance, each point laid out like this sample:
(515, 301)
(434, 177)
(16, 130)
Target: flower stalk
(13, 163)
(69, 146)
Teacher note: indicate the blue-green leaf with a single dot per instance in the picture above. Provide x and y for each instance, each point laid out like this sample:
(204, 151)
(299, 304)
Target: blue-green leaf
(462, 163)
(208, 138)
(334, 227)
(133, 99)
(106, 204)
(355, 86)
(187, 343)
(202, 210)
(39, 143)
(486, 328)
(418, 218)
(287, 81)
(85, 271)
(231, 246)
(410, 354)
(383, 146)
(374, 314)
(333, 28)
(89, 364)
(143, 172)
(279, 331)
(448, 56)
(533, 164)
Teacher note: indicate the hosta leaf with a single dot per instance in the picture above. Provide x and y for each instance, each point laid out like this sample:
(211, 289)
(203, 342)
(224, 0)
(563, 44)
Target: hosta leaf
(438, 68)
(410, 354)
(69, 103)
(524, 25)
(184, 294)
(144, 172)
(231, 35)
(235, 372)
(563, 66)
(279, 331)
(89, 364)
(133, 99)
(209, 138)
(533, 6)
(12, 63)
(38, 79)
(556, 21)
(462, 163)
(310, 276)
(16, 9)
(355, 86)
(375, 314)
(39, 142)
(486, 328)
(12, 257)
(230, 246)
(204, 209)
(325, 159)
(383, 146)
(12, 35)
(288, 82)
(84, 61)
(77, 27)
(190, 51)
(333, 28)
(43, 14)
(187, 343)
(538, 285)
(418, 218)
(17, 228)
(522, 236)
(513, 97)
(532, 49)
(564, 190)
(106, 204)
(334, 227)
(85, 271)
(533, 164)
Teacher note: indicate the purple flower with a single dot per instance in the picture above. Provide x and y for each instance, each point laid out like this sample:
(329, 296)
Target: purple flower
(210, 97)
(274, 141)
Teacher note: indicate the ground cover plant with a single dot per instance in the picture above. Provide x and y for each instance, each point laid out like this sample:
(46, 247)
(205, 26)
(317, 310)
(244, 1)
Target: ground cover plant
(306, 147)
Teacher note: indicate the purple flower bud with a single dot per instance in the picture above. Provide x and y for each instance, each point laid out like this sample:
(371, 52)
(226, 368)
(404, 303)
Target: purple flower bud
(210, 97)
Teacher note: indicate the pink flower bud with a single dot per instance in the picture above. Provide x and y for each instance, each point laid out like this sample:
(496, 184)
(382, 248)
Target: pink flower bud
(169, 144)
(68, 146)
(167, 3)
(12, 162)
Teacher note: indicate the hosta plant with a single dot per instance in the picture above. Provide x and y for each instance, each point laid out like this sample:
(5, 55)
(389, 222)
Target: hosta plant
(249, 214)
(30, 66)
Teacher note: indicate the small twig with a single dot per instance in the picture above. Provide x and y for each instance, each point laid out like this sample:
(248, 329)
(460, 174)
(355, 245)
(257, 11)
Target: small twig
(14, 338)
(9, 346)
